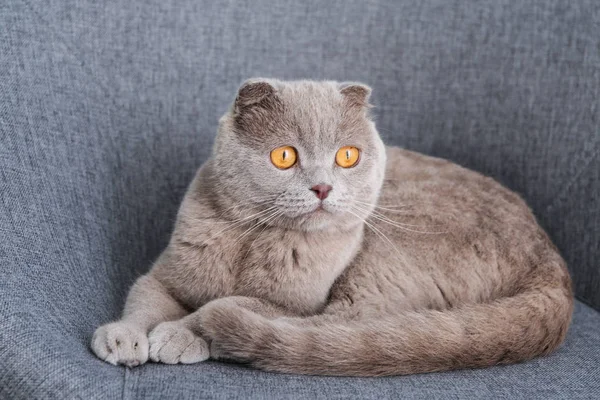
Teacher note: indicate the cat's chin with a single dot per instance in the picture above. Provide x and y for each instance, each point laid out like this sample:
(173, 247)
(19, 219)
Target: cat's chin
(322, 218)
(316, 215)
(316, 223)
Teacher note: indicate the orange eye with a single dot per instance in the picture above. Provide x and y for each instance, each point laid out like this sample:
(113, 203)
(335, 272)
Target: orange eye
(284, 157)
(347, 156)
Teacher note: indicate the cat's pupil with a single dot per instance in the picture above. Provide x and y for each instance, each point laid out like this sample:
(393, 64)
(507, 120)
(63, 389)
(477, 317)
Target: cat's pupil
(284, 155)
(347, 154)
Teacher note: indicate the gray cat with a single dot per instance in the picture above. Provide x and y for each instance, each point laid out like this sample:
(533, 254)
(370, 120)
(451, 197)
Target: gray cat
(304, 245)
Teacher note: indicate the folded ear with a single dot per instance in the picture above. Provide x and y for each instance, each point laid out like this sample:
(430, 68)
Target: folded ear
(356, 94)
(256, 108)
(253, 92)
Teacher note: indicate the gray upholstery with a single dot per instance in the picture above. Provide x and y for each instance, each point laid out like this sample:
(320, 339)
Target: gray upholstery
(107, 108)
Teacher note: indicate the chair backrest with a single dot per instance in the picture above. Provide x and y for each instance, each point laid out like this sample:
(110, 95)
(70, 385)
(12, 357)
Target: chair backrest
(106, 110)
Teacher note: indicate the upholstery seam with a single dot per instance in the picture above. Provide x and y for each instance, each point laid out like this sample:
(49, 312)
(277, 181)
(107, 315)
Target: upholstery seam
(123, 389)
(559, 197)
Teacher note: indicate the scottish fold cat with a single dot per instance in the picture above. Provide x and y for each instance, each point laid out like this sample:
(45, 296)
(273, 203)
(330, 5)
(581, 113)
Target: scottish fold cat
(304, 245)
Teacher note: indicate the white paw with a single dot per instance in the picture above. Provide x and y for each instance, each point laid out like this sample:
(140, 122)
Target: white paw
(172, 343)
(120, 343)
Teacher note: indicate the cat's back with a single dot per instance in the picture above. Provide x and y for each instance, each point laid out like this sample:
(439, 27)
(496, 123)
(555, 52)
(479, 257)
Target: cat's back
(441, 228)
(435, 201)
(434, 194)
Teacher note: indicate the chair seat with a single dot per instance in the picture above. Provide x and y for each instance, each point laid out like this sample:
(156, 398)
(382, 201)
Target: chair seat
(41, 362)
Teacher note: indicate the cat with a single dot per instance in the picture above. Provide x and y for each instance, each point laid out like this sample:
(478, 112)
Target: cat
(304, 245)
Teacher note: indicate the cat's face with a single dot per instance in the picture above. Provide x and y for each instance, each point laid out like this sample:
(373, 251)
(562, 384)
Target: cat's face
(304, 155)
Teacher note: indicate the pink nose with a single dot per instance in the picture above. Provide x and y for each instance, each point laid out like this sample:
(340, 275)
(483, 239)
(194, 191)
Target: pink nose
(321, 190)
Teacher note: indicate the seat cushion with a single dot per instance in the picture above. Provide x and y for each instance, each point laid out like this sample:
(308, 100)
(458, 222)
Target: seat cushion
(572, 372)
(42, 358)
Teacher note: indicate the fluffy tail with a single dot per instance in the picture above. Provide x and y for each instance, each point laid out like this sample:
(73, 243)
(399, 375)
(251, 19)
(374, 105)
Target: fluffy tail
(507, 330)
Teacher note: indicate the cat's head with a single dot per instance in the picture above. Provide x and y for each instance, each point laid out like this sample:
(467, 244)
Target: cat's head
(304, 154)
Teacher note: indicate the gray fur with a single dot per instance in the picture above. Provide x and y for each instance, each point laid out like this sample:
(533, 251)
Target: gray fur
(415, 264)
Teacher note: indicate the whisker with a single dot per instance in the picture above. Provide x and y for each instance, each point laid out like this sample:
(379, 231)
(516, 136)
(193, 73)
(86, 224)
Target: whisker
(408, 229)
(385, 218)
(259, 219)
(394, 208)
(362, 204)
(386, 207)
(377, 232)
(256, 201)
(382, 216)
(268, 219)
(241, 221)
(250, 206)
(399, 225)
(257, 224)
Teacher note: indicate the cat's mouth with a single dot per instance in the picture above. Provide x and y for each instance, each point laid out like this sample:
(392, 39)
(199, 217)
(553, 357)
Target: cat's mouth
(316, 211)
(319, 209)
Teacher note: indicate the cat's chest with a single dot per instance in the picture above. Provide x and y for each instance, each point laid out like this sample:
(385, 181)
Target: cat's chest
(295, 270)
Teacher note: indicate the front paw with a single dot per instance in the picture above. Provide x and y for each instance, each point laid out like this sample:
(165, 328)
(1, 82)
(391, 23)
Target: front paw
(172, 343)
(120, 343)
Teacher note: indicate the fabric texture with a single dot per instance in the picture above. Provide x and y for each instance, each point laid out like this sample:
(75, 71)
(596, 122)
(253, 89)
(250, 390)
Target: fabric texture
(107, 109)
